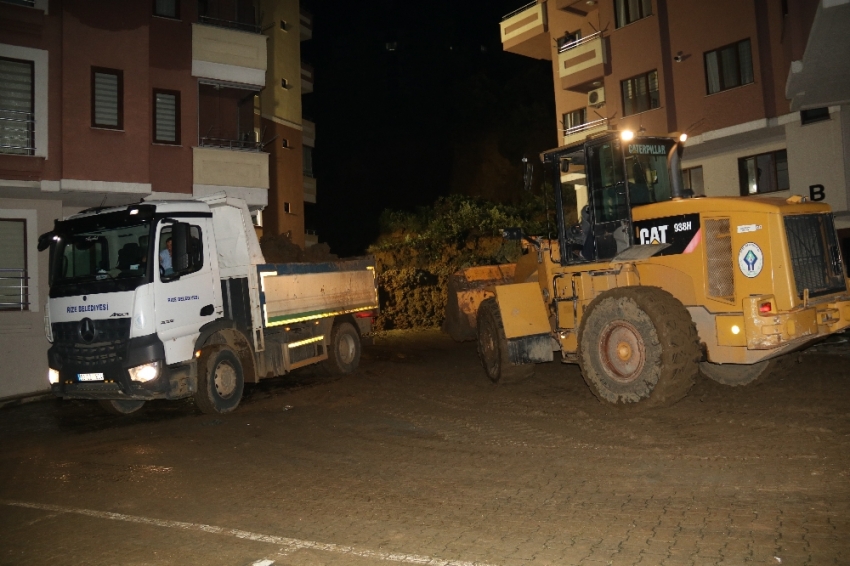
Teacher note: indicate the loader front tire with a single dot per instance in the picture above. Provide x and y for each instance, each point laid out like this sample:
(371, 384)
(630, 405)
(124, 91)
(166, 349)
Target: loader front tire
(493, 346)
(734, 374)
(638, 345)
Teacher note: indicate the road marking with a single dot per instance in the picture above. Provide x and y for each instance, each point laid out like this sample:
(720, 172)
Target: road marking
(293, 544)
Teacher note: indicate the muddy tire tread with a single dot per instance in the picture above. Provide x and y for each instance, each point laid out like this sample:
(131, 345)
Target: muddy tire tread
(488, 313)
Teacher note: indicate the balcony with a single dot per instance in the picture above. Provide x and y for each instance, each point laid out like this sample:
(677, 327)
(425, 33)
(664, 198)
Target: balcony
(309, 189)
(233, 14)
(526, 31)
(17, 132)
(306, 20)
(579, 133)
(228, 55)
(310, 238)
(308, 133)
(306, 78)
(225, 168)
(582, 62)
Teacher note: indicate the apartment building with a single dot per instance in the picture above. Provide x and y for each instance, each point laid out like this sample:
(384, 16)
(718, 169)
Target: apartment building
(760, 86)
(105, 103)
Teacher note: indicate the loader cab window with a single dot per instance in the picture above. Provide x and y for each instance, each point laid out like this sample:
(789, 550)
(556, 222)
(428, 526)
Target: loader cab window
(576, 225)
(165, 252)
(646, 170)
(609, 205)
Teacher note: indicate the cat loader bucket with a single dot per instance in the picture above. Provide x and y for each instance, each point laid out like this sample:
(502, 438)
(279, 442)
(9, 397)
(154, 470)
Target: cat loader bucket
(466, 289)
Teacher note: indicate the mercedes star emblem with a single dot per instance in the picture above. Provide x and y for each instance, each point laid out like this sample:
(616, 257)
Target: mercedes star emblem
(87, 331)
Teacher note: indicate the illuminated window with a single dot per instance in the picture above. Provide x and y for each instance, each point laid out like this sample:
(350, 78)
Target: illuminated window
(764, 173)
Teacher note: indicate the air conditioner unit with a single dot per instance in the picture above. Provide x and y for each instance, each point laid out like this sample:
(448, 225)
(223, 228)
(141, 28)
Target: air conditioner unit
(596, 97)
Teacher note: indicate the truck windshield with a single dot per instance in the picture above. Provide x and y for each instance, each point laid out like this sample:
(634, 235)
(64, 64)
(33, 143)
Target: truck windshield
(103, 256)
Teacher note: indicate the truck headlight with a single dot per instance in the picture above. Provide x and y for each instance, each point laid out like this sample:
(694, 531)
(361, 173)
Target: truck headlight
(52, 376)
(145, 372)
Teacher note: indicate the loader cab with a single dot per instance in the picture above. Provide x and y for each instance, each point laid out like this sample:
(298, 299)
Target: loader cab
(597, 183)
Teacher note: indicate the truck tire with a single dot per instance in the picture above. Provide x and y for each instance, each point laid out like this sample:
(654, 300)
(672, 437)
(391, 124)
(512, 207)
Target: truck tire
(122, 407)
(344, 350)
(221, 380)
(638, 344)
(734, 374)
(493, 346)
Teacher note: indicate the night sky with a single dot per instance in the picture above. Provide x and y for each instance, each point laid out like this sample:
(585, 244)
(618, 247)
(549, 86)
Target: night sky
(414, 101)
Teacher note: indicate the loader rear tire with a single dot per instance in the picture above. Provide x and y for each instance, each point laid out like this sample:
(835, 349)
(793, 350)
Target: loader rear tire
(493, 346)
(638, 345)
(734, 374)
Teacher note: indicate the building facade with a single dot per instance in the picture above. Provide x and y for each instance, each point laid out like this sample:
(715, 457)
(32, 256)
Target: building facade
(106, 103)
(720, 71)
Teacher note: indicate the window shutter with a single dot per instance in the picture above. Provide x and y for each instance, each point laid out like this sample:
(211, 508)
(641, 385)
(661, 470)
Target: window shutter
(166, 118)
(16, 106)
(106, 102)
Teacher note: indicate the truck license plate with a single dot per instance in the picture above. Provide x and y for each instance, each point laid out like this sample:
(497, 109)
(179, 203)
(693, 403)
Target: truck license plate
(90, 376)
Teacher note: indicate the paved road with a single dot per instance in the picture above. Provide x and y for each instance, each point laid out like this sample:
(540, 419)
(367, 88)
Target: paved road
(417, 459)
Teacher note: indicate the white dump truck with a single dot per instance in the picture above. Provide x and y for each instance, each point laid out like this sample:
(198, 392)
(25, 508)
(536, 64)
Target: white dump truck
(172, 299)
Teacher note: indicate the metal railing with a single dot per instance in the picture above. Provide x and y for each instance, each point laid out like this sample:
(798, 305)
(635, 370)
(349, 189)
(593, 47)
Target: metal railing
(585, 127)
(14, 290)
(519, 10)
(17, 132)
(241, 26)
(223, 143)
(30, 3)
(582, 41)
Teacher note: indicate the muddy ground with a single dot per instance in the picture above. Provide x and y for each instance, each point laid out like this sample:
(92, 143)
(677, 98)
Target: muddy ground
(418, 459)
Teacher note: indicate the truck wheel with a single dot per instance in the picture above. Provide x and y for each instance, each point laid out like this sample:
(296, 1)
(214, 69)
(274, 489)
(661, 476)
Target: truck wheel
(121, 407)
(493, 346)
(734, 374)
(638, 344)
(344, 350)
(220, 381)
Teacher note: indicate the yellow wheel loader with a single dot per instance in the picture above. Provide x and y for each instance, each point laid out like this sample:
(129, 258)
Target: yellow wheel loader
(646, 286)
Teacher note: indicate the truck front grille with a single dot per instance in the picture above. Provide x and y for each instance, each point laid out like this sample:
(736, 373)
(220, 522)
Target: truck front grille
(108, 346)
(815, 256)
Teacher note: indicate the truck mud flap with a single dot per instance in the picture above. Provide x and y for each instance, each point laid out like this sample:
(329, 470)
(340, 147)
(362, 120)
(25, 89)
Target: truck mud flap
(534, 349)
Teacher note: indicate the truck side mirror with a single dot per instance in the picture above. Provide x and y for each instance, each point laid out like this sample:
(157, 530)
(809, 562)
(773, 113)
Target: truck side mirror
(180, 245)
(565, 164)
(44, 241)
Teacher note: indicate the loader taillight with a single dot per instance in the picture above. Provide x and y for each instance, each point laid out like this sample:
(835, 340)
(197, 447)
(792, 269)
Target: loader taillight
(765, 308)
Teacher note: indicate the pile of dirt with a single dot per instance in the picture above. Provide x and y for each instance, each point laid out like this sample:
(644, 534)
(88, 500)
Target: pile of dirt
(281, 249)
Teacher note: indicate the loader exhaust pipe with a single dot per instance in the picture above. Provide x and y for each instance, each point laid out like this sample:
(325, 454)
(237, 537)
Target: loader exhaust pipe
(674, 166)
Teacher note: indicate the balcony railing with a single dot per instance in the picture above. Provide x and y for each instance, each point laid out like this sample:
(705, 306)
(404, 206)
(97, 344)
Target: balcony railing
(577, 132)
(306, 20)
(30, 3)
(17, 132)
(519, 10)
(582, 41)
(221, 143)
(14, 290)
(233, 14)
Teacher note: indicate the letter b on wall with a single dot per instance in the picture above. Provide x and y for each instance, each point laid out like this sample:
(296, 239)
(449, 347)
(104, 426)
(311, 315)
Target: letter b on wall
(816, 193)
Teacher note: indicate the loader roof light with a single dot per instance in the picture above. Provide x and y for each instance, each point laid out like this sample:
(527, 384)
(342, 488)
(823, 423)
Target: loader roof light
(683, 138)
(627, 135)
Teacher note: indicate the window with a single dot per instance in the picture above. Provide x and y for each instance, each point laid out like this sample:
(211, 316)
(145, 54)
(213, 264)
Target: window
(728, 67)
(226, 117)
(107, 98)
(166, 116)
(13, 265)
(628, 11)
(287, 208)
(16, 107)
(574, 118)
(764, 173)
(166, 8)
(284, 143)
(283, 25)
(194, 248)
(640, 93)
(814, 115)
(308, 161)
(692, 180)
